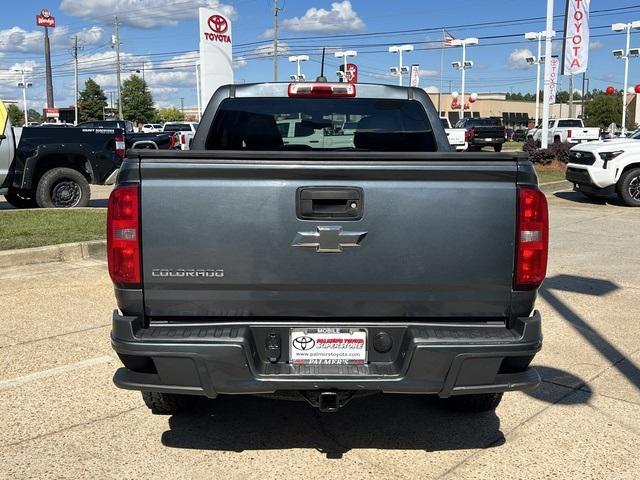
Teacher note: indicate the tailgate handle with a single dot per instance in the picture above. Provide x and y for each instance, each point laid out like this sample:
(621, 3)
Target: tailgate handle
(334, 203)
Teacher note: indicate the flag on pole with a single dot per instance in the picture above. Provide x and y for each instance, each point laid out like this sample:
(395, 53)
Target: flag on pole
(575, 52)
(448, 39)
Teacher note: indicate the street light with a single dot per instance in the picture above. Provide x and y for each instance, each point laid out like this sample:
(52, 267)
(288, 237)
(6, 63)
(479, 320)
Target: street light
(24, 85)
(399, 49)
(625, 55)
(345, 55)
(537, 60)
(464, 65)
(298, 59)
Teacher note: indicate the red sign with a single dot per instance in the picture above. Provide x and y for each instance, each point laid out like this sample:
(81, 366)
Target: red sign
(52, 112)
(352, 73)
(44, 19)
(218, 25)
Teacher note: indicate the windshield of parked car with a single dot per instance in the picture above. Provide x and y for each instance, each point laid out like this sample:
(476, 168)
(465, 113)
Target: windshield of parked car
(177, 127)
(366, 124)
(483, 122)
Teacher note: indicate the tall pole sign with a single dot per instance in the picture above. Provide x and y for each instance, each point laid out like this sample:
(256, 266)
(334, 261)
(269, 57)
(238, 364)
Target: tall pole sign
(216, 63)
(46, 20)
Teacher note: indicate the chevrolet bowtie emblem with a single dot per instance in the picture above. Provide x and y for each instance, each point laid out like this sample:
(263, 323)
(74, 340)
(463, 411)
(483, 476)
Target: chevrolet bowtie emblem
(328, 239)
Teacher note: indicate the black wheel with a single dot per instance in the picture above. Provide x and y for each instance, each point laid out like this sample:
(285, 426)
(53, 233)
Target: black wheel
(497, 148)
(628, 187)
(63, 188)
(21, 200)
(476, 403)
(167, 403)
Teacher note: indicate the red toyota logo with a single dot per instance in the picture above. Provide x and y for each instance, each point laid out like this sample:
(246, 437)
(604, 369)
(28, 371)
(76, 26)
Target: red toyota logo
(218, 24)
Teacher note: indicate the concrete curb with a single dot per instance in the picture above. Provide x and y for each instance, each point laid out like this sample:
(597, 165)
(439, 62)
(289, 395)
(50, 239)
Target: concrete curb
(67, 252)
(551, 187)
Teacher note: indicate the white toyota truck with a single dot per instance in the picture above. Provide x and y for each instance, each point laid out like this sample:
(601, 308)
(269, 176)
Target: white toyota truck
(571, 130)
(456, 136)
(603, 168)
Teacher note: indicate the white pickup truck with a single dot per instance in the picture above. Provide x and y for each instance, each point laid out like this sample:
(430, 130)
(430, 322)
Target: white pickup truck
(185, 131)
(607, 167)
(457, 136)
(570, 130)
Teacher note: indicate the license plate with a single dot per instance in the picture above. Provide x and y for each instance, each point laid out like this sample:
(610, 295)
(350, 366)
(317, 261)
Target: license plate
(328, 346)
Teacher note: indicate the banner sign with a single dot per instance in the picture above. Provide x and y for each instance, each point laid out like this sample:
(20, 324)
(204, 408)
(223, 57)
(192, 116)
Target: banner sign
(352, 73)
(216, 64)
(414, 79)
(44, 19)
(554, 66)
(576, 37)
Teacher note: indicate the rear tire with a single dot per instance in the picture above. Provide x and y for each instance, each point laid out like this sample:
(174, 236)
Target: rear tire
(476, 403)
(167, 403)
(20, 200)
(63, 188)
(497, 148)
(628, 187)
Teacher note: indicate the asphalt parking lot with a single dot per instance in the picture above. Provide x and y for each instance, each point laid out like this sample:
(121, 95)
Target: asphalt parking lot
(63, 418)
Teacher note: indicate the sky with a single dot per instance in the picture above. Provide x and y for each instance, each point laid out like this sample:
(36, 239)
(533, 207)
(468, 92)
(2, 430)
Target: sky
(163, 36)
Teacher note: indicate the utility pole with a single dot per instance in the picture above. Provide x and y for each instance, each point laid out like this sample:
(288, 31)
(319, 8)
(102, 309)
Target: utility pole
(198, 90)
(276, 10)
(74, 52)
(116, 45)
(47, 61)
(571, 95)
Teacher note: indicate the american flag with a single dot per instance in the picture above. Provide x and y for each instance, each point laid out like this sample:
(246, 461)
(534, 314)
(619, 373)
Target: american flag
(448, 38)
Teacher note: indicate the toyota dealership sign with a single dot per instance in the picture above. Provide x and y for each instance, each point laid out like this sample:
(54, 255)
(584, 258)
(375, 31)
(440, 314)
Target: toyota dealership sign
(216, 62)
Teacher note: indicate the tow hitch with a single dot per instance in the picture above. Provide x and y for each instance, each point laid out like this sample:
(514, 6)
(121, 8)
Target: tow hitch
(327, 402)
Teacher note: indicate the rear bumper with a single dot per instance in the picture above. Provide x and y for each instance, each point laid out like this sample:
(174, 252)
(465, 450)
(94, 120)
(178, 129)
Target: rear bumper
(429, 358)
(487, 141)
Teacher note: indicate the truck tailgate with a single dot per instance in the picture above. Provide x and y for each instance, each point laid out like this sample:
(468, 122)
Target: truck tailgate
(223, 238)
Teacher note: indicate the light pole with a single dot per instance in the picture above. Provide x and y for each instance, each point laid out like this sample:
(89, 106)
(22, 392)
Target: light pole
(464, 65)
(345, 55)
(298, 59)
(625, 55)
(547, 74)
(401, 69)
(537, 61)
(24, 85)
(198, 90)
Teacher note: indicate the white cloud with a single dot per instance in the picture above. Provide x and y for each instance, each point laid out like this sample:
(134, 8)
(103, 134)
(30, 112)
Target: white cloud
(142, 14)
(431, 89)
(16, 39)
(595, 45)
(518, 58)
(340, 18)
(239, 62)
(267, 50)
(429, 73)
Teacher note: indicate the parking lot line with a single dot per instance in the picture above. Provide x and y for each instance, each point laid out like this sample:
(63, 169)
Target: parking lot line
(32, 377)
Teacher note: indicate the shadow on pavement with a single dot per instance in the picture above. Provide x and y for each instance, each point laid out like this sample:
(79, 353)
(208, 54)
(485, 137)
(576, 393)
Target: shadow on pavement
(577, 197)
(596, 287)
(563, 378)
(384, 421)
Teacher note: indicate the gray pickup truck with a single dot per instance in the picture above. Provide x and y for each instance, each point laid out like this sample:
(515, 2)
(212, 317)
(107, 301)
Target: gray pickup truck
(325, 270)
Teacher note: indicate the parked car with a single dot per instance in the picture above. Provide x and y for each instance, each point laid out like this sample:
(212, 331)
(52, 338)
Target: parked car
(53, 167)
(481, 132)
(267, 268)
(184, 130)
(456, 136)
(151, 127)
(571, 130)
(608, 167)
(519, 135)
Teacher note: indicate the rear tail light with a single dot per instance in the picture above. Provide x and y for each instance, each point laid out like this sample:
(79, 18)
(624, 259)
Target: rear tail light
(183, 139)
(569, 133)
(123, 235)
(322, 90)
(120, 146)
(532, 239)
(172, 141)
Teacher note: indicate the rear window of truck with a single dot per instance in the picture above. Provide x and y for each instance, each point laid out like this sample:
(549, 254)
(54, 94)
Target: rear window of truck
(365, 124)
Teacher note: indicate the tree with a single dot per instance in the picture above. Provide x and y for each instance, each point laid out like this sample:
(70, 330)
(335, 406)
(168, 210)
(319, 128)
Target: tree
(16, 115)
(137, 102)
(92, 101)
(170, 114)
(34, 116)
(603, 110)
